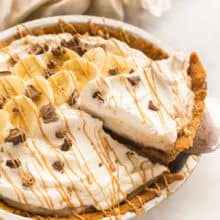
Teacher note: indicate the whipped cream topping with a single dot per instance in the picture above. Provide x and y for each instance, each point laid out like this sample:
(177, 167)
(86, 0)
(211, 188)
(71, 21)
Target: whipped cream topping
(85, 167)
(149, 106)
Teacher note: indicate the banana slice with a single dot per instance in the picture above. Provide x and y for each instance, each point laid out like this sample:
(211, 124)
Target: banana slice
(65, 55)
(43, 86)
(11, 86)
(96, 56)
(28, 67)
(23, 114)
(119, 64)
(63, 84)
(4, 125)
(83, 70)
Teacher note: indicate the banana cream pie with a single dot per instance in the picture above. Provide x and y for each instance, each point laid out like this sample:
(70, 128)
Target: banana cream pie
(89, 120)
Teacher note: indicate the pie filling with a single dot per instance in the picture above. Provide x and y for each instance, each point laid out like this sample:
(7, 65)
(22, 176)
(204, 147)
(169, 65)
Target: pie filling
(54, 153)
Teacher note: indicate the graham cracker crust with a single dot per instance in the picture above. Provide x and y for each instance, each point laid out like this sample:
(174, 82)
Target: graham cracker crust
(198, 75)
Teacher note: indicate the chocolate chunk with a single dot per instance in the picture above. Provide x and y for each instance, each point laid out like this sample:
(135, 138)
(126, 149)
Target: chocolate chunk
(36, 49)
(16, 136)
(98, 95)
(58, 51)
(15, 109)
(2, 100)
(58, 166)
(14, 58)
(5, 73)
(60, 134)
(100, 164)
(31, 92)
(27, 180)
(113, 71)
(51, 64)
(66, 144)
(73, 98)
(76, 45)
(47, 73)
(13, 163)
(48, 113)
(153, 107)
(134, 80)
(131, 70)
(46, 47)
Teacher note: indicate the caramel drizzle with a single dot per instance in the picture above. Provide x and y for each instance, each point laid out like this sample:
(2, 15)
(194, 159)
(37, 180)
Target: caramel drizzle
(122, 53)
(61, 191)
(119, 48)
(133, 96)
(42, 89)
(21, 172)
(18, 192)
(85, 170)
(64, 195)
(20, 112)
(117, 158)
(71, 26)
(10, 86)
(93, 145)
(153, 91)
(58, 88)
(114, 104)
(50, 202)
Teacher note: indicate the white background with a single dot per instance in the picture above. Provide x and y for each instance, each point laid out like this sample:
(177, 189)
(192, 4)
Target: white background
(193, 25)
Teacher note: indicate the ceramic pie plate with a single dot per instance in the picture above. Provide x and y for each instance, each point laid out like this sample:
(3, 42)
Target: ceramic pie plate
(45, 22)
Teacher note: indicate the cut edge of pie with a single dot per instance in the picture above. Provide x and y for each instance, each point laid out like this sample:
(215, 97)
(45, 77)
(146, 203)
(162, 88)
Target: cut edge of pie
(198, 75)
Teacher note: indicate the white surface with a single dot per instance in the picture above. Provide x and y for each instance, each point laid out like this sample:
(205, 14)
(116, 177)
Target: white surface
(193, 25)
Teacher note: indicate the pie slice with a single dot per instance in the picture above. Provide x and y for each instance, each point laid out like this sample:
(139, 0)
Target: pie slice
(156, 109)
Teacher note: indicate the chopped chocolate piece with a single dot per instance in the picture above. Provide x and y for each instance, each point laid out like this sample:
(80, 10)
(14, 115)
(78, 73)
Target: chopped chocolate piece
(73, 98)
(58, 51)
(46, 47)
(98, 95)
(31, 92)
(48, 73)
(14, 58)
(66, 144)
(2, 100)
(134, 80)
(36, 49)
(68, 43)
(113, 71)
(5, 73)
(27, 180)
(51, 64)
(16, 136)
(60, 134)
(58, 166)
(48, 113)
(153, 107)
(131, 70)
(15, 109)
(76, 45)
(13, 163)
(100, 164)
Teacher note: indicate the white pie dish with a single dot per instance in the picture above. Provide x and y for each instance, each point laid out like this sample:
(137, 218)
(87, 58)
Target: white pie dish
(192, 161)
